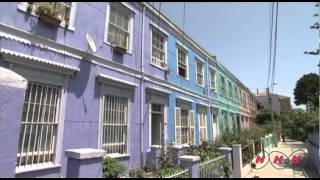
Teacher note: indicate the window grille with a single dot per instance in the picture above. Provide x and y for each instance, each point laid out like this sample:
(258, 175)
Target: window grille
(39, 126)
(115, 124)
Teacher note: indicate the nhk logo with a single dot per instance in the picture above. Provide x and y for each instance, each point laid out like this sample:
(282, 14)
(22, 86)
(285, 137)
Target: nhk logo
(280, 160)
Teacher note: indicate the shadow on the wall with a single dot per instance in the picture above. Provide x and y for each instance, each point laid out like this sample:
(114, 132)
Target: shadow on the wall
(41, 28)
(117, 57)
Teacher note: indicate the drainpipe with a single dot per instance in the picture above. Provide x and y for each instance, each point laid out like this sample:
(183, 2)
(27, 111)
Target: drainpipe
(141, 92)
(208, 94)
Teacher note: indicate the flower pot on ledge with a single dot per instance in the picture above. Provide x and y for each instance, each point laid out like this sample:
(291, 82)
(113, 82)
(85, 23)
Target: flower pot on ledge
(119, 49)
(50, 20)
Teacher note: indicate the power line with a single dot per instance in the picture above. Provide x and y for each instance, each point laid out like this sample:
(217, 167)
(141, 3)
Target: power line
(275, 49)
(270, 42)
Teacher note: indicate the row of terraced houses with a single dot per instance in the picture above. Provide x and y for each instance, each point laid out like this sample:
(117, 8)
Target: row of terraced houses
(147, 83)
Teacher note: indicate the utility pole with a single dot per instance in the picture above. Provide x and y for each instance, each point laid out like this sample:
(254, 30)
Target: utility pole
(272, 114)
(317, 52)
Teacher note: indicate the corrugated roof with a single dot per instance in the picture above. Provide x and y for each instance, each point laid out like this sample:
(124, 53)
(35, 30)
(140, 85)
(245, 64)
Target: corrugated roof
(37, 59)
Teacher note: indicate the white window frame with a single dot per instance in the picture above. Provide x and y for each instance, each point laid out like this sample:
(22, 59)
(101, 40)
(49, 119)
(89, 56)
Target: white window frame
(214, 89)
(113, 90)
(179, 46)
(56, 79)
(131, 13)
(201, 110)
(215, 131)
(197, 60)
(190, 126)
(165, 36)
(72, 16)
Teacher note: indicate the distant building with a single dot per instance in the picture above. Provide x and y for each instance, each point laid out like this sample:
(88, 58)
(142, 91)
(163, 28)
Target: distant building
(280, 103)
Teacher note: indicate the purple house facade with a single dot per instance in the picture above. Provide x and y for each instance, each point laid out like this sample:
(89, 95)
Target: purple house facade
(77, 97)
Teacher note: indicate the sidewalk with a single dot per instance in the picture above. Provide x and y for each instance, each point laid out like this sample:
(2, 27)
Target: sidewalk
(287, 148)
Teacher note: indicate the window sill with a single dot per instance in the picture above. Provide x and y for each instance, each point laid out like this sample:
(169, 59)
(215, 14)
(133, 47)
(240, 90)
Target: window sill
(180, 146)
(36, 167)
(157, 66)
(129, 52)
(155, 146)
(202, 86)
(117, 155)
(183, 77)
(23, 9)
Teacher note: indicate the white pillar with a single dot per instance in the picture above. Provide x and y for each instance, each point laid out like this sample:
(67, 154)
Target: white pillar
(237, 161)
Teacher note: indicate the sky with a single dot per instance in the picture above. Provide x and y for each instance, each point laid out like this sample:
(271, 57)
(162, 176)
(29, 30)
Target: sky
(238, 35)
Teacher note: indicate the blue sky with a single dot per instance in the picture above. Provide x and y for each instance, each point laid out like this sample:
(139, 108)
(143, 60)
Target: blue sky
(238, 34)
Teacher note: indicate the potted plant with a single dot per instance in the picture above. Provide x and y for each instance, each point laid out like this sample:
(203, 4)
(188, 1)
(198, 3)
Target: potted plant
(48, 13)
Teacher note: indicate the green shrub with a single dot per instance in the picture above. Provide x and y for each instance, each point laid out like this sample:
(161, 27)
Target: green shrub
(168, 156)
(136, 173)
(112, 168)
(167, 171)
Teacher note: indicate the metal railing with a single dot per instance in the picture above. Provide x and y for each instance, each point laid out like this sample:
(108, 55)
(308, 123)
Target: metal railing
(247, 154)
(185, 173)
(212, 168)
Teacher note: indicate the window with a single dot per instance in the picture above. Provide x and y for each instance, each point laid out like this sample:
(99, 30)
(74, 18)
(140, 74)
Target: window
(215, 129)
(63, 9)
(156, 124)
(39, 126)
(235, 90)
(119, 23)
(212, 79)
(184, 126)
(203, 126)
(158, 48)
(182, 62)
(222, 86)
(230, 90)
(200, 73)
(115, 124)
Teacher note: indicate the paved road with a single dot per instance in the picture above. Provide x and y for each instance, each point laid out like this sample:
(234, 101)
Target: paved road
(288, 172)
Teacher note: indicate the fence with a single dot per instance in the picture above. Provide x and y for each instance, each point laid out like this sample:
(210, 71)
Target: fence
(257, 147)
(185, 173)
(247, 154)
(213, 168)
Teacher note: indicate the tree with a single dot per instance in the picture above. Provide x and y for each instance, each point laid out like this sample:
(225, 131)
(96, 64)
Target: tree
(264, 116)
(307, 90)
(298, 123)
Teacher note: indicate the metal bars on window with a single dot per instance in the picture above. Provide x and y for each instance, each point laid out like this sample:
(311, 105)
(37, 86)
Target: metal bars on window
(115, 124)
(39, 126)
